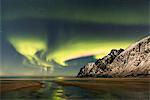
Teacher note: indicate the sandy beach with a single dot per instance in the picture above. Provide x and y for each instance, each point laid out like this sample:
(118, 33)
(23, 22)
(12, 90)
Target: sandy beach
(6, 86)
(135, 84)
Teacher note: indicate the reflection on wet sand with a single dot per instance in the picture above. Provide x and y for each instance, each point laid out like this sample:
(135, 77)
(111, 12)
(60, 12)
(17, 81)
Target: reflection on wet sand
(134, 84)
(58, 94)
(76, 89)
(130, 88)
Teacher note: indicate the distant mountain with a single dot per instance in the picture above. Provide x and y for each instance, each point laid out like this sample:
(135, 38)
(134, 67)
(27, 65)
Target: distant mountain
(131, 62)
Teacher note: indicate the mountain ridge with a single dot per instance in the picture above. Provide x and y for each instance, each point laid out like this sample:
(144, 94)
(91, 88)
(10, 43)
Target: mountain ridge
(134, 61)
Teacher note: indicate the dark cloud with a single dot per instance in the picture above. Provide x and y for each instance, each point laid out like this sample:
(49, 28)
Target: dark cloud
(108, 11)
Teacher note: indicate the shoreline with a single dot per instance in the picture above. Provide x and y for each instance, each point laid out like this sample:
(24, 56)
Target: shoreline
(100, 84)
(110, 84)
(72, 78)
(11, 85)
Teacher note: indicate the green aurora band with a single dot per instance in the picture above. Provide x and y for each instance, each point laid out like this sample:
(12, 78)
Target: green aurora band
(77, 49)
(74, 29)
(29, 46)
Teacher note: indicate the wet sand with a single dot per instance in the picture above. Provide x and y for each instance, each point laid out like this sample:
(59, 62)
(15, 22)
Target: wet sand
(77, 88)
(133, 84)
(11, 85)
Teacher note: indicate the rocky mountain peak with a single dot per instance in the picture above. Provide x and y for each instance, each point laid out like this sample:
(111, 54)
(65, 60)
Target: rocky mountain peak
(131, 62)
(91, 69)
(102, 63)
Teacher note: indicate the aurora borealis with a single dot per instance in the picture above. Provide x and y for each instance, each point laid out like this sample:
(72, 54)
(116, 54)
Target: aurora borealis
(63, 35)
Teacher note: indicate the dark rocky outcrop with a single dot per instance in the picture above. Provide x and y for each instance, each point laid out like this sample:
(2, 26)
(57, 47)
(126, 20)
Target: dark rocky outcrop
(102, 63)
(100, 66)
(86, 70)
(131, 62)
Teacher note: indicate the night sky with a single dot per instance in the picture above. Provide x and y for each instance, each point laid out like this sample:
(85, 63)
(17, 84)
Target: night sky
(64, 35)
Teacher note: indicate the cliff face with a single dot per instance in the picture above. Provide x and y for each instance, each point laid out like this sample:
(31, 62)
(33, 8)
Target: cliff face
(86, 71)
(132, 62)
(100, 66)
